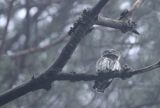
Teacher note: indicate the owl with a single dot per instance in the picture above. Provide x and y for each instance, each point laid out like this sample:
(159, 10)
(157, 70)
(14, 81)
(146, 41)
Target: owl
(109, 61)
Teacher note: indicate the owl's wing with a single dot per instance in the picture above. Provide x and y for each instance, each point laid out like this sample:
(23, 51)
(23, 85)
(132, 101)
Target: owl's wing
(102, 64)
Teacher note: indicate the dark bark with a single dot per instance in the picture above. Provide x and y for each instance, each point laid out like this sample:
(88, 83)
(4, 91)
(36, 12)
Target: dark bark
(39, 83)
(44, 81)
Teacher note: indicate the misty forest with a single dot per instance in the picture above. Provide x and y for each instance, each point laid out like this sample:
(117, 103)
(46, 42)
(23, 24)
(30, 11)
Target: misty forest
(50, 50)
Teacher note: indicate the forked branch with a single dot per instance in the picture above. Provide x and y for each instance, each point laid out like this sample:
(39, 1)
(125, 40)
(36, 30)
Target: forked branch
(80, 29)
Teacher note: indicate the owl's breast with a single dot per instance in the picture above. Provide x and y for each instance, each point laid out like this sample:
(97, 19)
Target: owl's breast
(102, 64)
(105, 64)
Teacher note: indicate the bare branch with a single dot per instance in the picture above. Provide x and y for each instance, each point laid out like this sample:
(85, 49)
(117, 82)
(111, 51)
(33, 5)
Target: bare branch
(120, 24)
(108, 22)
(88, 77)
(146, 69)
(36, 49)
(135, 6)
(37, 83)
(80, 29)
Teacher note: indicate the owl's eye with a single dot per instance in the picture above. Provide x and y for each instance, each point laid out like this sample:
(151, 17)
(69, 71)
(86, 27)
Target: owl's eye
(105, 53)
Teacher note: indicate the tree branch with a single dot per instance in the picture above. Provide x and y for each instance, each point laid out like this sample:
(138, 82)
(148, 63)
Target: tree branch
(36, 49)
(34, 84)
(120, 24)
(108, 22)
(80, 29)
(135, 6)
(124, 74)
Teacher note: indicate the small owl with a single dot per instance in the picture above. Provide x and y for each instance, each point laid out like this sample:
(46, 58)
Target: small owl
(109, 61)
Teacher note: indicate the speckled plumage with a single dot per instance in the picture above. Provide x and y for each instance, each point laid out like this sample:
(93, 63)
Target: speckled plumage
(103, 64)
(106, 63)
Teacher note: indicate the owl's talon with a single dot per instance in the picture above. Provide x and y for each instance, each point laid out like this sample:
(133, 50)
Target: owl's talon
(125, 72)
(126, 68)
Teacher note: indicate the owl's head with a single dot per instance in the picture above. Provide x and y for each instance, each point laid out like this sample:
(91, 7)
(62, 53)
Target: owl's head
(111, 53)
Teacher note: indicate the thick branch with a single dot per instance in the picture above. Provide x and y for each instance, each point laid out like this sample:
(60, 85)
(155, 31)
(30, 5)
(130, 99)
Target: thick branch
(108, 22)
(80, 29)
(116, 24)
(120, 24)
(34, 84)
(89, 77)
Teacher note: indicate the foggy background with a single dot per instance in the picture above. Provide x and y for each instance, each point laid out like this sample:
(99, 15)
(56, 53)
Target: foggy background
(27, 24)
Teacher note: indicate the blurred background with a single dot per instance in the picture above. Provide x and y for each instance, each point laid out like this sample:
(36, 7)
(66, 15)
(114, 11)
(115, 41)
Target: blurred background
(32, 35)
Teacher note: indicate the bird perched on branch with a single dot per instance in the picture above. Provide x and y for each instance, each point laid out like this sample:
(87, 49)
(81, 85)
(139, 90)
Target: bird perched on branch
(108, 62)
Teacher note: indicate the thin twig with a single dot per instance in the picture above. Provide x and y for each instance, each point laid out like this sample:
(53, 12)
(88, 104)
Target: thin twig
(36, 49)
(118, 24)
(108, 22)
(135, 6)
